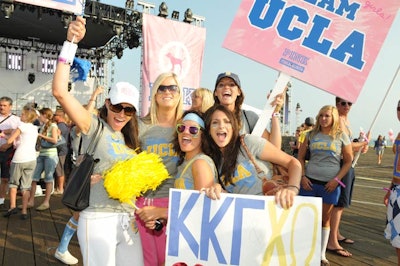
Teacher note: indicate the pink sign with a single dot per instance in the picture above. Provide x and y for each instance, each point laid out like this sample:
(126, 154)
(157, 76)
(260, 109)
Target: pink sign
(171, 46)
(329, 44)
(73, 6)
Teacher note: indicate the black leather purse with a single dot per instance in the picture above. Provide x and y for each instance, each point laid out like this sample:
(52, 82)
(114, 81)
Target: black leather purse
(77, 192)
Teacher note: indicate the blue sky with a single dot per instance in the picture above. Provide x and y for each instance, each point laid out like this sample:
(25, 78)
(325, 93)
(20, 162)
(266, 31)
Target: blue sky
(257, 79)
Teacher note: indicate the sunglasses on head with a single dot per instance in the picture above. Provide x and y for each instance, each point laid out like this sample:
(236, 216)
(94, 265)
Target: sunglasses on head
(193, 130)
(346, 103)
(117, 108)
(170, 88)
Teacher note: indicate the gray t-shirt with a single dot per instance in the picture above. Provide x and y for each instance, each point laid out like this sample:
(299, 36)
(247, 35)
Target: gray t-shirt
(324, 163)
(246, 180)
(159, 140)
(185, 181)
(110, 149)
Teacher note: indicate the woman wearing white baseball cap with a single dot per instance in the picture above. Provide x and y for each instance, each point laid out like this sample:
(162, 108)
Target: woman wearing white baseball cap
(120, 245)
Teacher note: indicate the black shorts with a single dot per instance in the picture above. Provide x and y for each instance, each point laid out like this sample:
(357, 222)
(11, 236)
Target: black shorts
(347, 192)
(5, 162)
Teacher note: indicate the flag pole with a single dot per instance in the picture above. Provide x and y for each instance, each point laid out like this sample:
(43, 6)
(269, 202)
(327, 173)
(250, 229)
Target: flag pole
(377, 113)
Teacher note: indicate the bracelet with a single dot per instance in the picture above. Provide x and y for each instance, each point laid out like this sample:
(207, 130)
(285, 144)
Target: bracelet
(294, 186)
(340, 182)
(68, 52)
(276, 114)
(91, 100)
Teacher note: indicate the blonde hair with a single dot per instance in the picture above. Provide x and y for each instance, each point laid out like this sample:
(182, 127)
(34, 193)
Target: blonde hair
(151, 117)
(30, 114)
(207, 97)
(335, 130)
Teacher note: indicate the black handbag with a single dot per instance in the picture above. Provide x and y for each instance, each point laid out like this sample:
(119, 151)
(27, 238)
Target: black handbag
(77, 192)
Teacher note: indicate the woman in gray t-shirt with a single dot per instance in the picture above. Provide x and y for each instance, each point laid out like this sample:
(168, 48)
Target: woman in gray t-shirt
(323, 172)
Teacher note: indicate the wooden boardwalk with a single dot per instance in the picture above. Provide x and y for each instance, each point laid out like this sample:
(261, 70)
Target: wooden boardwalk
(33, 241)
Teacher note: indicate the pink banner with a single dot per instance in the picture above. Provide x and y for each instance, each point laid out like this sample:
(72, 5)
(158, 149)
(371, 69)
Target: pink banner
(171, 46)
(73, 6)
(329, 44)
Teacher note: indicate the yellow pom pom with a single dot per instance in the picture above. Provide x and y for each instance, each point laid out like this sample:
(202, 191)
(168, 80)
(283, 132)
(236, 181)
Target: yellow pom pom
(129, 179)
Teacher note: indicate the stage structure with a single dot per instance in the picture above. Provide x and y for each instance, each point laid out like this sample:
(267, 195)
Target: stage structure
(31, 37)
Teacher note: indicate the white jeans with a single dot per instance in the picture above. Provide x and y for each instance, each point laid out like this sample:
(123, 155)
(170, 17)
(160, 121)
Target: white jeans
(107, 239)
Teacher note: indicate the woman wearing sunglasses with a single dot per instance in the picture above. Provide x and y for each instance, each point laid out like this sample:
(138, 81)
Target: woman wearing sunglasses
(237, 173)
(156, 133)
(120, 245)
(196, 170)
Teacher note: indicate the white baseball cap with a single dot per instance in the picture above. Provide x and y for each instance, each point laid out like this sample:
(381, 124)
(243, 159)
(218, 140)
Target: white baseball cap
(124, 92)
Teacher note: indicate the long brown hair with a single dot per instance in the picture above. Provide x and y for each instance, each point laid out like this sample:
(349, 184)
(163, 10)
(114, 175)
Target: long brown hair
(48, 114)
(226, 161)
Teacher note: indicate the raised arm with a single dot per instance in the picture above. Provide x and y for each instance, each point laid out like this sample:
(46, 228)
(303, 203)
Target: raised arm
(78, 114)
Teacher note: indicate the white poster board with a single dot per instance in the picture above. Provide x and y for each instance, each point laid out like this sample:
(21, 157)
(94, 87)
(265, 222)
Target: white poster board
(242, 230)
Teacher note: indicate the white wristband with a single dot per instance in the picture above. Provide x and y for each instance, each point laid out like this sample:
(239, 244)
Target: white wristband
(276, 115)
(68, 52)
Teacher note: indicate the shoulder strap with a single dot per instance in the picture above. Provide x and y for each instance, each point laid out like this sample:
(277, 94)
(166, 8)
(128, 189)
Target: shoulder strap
(251, 157)
(247, 120)
(6, 118)
(187, 166)
(96, 137)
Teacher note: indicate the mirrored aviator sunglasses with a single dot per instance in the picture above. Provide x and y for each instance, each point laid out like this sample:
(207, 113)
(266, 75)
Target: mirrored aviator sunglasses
(117, 108)
(170, 88)
(194, 131)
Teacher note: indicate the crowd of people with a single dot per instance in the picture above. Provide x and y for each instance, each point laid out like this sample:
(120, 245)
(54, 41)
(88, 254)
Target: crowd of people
(202, 149)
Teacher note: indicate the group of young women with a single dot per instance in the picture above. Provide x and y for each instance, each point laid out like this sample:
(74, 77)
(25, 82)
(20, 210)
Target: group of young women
(201, 151)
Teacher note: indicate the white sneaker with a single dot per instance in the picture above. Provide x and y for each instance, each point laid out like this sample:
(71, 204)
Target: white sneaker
(66, 257)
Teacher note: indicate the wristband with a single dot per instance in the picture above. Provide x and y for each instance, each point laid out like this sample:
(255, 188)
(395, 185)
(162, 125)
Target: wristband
(340, 182)
(68, 52)
(276, 114)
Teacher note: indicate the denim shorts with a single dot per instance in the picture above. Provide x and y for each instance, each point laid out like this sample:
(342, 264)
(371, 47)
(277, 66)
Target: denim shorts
(48, 165)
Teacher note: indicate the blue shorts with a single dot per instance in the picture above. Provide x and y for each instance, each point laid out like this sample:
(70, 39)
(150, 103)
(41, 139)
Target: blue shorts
(347, 192)
(318, 190)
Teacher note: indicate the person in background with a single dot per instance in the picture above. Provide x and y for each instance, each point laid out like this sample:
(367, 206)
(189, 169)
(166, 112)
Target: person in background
(202, 99)
(105, 232)
(62, 253)
(196, 170)
(308, 125)
(62, 150)
(8, 123)
(23, 162)
(336, 239)
(156, 134)
(295, 145)
(323, 173)
(379, 148)
(230, 156)
(392, 197)
(47, 160)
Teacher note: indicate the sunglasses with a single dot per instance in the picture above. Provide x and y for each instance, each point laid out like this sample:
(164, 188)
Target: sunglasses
(117, 108)
(398, 108)
(344, 103)
(170, 88)
(193, 130)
